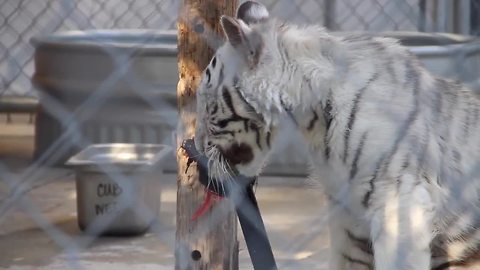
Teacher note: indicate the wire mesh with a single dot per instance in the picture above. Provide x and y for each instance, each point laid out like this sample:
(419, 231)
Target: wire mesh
(20, 20)
(23, 19)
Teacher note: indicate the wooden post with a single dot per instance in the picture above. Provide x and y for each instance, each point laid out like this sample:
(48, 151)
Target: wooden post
(211, 241)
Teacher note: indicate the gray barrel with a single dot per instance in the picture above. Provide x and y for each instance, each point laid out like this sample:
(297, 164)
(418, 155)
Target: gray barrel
(103, 87)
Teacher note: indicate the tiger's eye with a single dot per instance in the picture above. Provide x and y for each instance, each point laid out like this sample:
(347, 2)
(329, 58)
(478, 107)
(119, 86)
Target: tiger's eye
(222, 123)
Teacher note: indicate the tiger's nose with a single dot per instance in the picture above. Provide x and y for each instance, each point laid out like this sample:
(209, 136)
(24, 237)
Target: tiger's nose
(238, 153)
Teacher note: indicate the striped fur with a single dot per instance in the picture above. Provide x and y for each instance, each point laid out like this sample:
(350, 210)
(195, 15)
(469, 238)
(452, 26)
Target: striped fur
(397, 149)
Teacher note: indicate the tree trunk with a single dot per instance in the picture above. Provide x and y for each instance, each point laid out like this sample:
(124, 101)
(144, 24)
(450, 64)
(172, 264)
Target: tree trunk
(209, 242)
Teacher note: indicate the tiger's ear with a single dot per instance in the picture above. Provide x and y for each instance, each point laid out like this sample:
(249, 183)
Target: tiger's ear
(248, 42)
(233, 30)
(252, 12)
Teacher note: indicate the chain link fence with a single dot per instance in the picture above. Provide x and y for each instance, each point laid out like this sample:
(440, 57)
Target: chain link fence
(151, 119)
(23, 19)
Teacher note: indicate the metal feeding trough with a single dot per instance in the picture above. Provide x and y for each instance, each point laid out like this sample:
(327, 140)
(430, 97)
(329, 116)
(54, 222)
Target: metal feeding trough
(118, 187)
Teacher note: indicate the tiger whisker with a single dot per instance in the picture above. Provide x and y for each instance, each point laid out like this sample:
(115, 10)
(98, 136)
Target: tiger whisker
(220, 170)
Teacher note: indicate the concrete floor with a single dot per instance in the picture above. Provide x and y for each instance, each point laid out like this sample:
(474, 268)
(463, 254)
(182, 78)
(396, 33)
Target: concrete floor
(38, 229)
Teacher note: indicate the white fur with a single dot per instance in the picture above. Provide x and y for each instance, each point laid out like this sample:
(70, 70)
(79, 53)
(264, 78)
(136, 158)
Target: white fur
(402, 110)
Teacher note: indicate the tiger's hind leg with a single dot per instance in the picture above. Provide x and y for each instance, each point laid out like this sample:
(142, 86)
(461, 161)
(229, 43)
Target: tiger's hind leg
(401, 225)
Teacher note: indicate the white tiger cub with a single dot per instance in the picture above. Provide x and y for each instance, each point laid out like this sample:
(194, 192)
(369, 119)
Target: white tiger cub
(397, 149)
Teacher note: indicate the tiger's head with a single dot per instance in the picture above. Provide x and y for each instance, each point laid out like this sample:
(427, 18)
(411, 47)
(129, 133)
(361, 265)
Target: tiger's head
(234, 125)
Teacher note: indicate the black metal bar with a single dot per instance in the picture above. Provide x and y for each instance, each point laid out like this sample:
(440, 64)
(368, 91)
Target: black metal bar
(422, 19)
(254, 232)
(329, 15)
(241, 192)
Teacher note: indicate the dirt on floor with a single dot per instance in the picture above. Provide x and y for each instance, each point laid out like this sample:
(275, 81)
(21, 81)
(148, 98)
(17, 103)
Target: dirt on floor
(38, 219)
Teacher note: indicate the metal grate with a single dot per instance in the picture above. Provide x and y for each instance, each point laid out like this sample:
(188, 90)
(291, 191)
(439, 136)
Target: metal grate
(20, 20)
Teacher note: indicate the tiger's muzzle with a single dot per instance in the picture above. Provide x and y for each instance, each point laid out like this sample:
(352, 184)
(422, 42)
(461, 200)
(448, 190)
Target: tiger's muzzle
(238, 153)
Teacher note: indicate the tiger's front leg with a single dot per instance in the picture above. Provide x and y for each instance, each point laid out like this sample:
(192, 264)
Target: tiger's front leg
(401, 226)
(349, 243)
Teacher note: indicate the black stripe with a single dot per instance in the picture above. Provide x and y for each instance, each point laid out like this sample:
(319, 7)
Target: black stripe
(438, 101)
(292, 117)
(240, 96)
(391, 71)
(308, 82)
(357, 261)
(312, 122)
(371, 182)
(215, 109)
(223, 132)
(475, 123)
(451, 101)
(467, 233)
(257, 134)
(353, 112)
(438, 248)
(341, 203)
(447, 265)
(423, 150)
(469, 260)
(222, 123)
(466, 123)
(245, 126)
(403, 131)
(452, 219)
(327, 149)
(328, 118)
(358, 153)
(457, 159)
(220, 77)
(214, 61)
(378, 45)
(357, 38)
(442, 144)
(476, 114)
(406, 162)
(412, 76)
(285, 106)
(405, 165)
(427, 178)
(227, 98)
(268, 139)
(399, 182)
(386, 161)
(209, 75)
(364, 244)
(451, 98)
(222, 108)
(327, 114)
